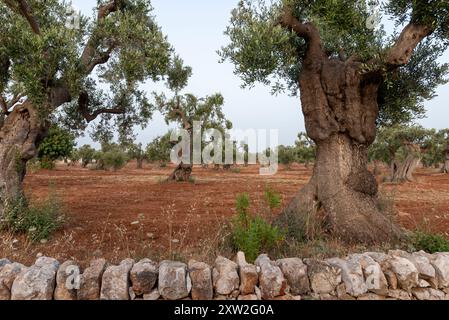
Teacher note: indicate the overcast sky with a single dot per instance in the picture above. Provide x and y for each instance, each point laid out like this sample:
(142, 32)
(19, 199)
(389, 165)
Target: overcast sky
(195, 29)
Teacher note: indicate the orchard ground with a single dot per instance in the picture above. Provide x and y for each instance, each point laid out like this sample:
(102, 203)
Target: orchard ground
(134, 213)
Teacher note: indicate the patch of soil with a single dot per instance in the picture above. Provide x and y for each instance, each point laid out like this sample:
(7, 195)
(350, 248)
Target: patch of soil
(134, 213)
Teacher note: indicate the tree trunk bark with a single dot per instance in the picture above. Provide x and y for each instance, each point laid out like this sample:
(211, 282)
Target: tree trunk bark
(182, 173)
(445, 168)
(20, 136)
(139, 163)
(403, 170)
(340, 109)
(343, 187)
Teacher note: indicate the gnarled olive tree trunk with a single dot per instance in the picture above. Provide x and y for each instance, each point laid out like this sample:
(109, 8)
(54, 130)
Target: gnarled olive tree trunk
(20, 135)
(445, 168)
(340, 110)
(182, 173)
(403, 170)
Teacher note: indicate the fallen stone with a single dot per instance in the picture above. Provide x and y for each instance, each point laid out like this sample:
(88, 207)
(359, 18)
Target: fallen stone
(272, 282)
(225, 276)
(295, 271)
(116, 280)
(201, 276)
(371, 296)
(90, 280)
(37, 282)
(144, 276)
(67, 281)
(375, 279)
(422, 263)
(174, 280)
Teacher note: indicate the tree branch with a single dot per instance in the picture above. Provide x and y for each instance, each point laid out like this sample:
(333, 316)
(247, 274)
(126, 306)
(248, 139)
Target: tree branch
(24, 9)
(83, 107)
(402, 50)
(89, 57)
(307, 31)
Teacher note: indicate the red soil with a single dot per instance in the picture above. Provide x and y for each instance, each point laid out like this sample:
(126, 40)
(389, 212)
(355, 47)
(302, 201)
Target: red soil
(133, 213)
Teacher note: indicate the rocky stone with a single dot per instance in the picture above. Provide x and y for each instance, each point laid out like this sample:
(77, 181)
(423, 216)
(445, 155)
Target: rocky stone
(249, 275)
(399, 294)
(405, 271)
(116, 281)
(323, 277)
(153, 295)
(67, 281)
(342, 294)
(174, 280)
(272, 282)
(392, 280)
(422, 264)
(428, 294)
(8, 274)
(371, 296)
(225, 276)
(379, 257)
(375, 279)
(440, 262)
(36, 282)
(249, 297)
(351, 274)
(143, 276)
(4, 262)
(90, 280)
(423, 284)
(258, 293)
(295, 271)
(201, 276)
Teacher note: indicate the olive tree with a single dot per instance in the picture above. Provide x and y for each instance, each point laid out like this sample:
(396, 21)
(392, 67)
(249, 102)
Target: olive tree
(185, 109)
(50, 68)
(350, 77)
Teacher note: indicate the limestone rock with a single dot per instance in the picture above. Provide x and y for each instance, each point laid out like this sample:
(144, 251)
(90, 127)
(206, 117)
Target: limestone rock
(174, 281)
(351, 274)
(4, 262)
(323, 277)
(201, 276)
(371, 296)
(271, 279)
(66, 289)
(428, 294)
(375, 279)
(36, 282)
(153, 295)
(295, 271)
(90, 280)
(8, 274)
(405, 271)
(144, 276)
(116, 280)
(440, 262)
(225, 276)
(249, 276)
(249, 297)
(421, 262)
(399, 294)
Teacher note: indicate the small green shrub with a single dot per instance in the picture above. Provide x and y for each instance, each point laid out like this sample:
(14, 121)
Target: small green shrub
(114, 159)
(46, 163)
(272, 198)
(253, 234)
(38, 221)
(429, 242)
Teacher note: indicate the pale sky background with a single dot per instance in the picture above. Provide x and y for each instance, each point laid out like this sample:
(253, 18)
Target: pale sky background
(195, 29)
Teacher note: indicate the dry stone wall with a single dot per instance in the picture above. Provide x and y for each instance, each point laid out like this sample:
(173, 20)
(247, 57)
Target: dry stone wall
(397, 275)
